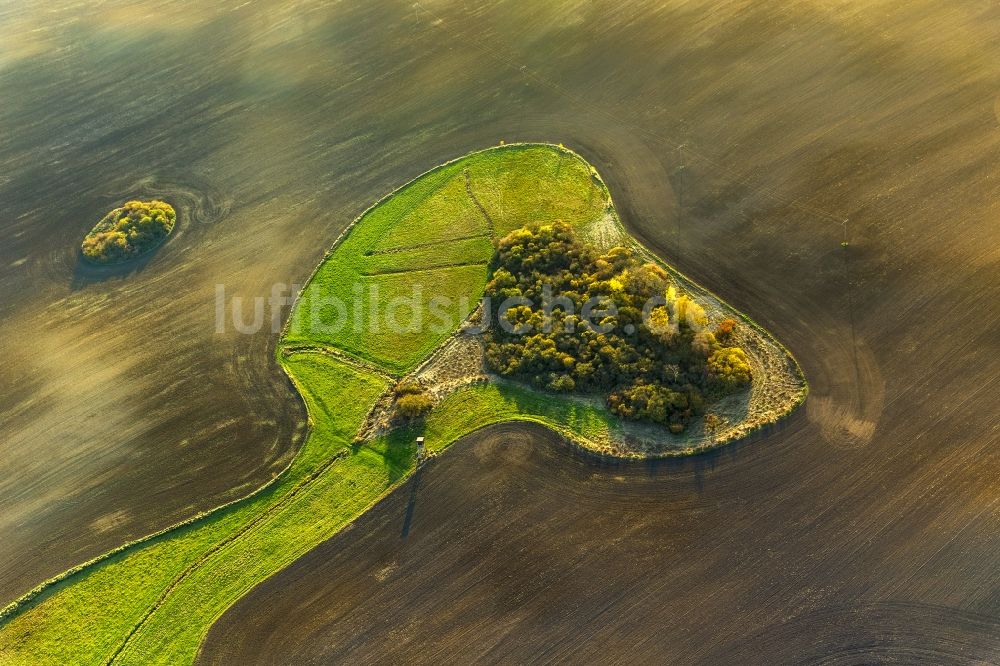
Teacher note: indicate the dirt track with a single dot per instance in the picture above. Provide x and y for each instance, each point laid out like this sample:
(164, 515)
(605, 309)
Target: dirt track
(733, 144)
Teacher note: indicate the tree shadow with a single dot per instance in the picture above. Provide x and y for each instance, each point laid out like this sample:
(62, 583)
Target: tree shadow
(396, 448)
(696, 467)
(86, 273)
(411, 504)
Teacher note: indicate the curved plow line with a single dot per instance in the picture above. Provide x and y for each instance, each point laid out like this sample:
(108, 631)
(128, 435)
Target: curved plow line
(527, 72)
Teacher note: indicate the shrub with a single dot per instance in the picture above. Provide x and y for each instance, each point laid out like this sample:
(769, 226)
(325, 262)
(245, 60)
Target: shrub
(414, 405)
(408, 387)
(729, 368)
(561, 383)
(724, 331)
(413, 400)
(652, 402)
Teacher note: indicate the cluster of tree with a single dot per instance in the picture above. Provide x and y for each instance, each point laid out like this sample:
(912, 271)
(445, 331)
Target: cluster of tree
(569, 318)
(127, 232)
(413, 400)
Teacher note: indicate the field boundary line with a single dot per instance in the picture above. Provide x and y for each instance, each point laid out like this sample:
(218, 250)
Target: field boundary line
(479, 205)
(416, 246)
(426, 269)
(346, 357)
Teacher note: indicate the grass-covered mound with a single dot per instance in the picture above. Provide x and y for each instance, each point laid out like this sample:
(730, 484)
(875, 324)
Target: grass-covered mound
(569, 317)
(129, 231)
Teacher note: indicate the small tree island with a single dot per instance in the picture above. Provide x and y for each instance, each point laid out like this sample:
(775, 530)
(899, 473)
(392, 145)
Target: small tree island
(650, 351)
(128, 232)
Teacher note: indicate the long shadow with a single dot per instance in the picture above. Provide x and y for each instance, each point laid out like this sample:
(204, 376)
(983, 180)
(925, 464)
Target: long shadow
(697, 467)
(411, 504)
(85, 273)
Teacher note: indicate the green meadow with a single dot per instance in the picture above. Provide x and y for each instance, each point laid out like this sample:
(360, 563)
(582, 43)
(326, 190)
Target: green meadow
(433, 239)
(153, 601)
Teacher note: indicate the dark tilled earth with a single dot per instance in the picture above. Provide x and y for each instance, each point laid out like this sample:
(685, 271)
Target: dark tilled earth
(737, 138)
(512, 549)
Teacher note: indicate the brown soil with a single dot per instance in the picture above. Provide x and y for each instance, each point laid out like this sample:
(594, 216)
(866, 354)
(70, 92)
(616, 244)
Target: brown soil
(735, 137)
(865, 527)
